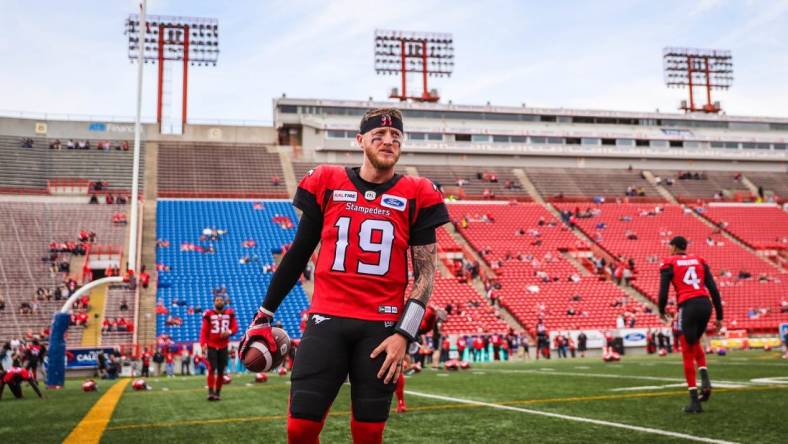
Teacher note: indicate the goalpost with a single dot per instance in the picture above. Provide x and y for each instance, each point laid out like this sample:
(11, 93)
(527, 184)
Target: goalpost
(56, 370)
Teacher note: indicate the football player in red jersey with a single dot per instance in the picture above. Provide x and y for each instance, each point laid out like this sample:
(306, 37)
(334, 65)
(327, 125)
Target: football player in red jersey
(694, 285)
(218, 324)
(14, 377)
(431, 317)
(366, 220)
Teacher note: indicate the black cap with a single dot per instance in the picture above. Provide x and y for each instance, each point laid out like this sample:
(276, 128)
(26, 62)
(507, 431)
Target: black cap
(679, 242)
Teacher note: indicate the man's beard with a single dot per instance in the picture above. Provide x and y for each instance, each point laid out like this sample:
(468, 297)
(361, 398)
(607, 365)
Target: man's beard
(378, 163)
(219, 307)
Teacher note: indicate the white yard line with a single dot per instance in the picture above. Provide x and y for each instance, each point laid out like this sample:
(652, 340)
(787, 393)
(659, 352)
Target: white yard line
(612, 376)
(570, 418)
(714, 384)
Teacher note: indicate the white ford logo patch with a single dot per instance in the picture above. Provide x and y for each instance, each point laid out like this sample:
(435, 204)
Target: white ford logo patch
(393, 202)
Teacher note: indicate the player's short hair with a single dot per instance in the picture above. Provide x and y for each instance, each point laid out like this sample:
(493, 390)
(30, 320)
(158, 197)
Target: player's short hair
(679, 242)
(371, 118)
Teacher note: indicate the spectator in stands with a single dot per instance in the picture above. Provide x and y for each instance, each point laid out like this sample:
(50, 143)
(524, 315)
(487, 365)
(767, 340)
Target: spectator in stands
(83, 145)
(124, 306)
(744, 274)
(81, 319)
(25, 308)
(144, 277)
(70, 144)
(631, 235)
(2, 303)
(276, 181)
(109, 199)
(27, 142)
(124, 145)
(56, 145)
(93, 199)
(783, 305)
(119, 218)
(105, 324)
(122, 324)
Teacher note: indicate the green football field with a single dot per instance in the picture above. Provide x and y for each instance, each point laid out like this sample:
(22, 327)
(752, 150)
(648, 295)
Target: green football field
(571, 400)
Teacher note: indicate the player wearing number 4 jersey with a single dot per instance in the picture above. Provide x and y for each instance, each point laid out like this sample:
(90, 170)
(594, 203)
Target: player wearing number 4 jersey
(694, 284)
(366, 220)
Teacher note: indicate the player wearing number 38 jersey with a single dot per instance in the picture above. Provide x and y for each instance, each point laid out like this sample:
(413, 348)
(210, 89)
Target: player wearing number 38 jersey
(368, 221)
(692, 279)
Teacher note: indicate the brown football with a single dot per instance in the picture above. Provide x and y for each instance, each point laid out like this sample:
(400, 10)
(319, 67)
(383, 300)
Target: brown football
(259, 359)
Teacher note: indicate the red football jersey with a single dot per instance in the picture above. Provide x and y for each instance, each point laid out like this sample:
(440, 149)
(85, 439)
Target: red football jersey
(214, 323)
(14, 372)
(688, 276)
(362, 268)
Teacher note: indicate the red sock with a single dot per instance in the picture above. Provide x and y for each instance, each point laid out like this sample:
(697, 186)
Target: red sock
(700, 355)
(219, 382)
(400, 389)
(303, 431)
(210, 379)
(688, 356)
(367, 432)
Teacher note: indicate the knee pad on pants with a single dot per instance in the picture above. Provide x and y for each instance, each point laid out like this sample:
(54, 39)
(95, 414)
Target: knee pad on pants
(370, 409)
(309, 405)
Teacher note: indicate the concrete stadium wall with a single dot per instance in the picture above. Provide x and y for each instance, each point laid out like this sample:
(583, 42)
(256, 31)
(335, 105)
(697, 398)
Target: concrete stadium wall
(65, 129)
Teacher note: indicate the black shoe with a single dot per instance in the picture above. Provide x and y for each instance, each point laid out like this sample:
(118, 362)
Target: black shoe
(211, 395)
(217, 396)
(694, 404)
(705, 385)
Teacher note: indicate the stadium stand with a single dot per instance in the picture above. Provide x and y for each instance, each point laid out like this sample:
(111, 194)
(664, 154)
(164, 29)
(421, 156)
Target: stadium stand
(27, 229)
(706, 186)
(112, 310)
(469, 182)
(583, 184)
(470, 312)
(760, 227)
(252, 230)
(27, 170)
(776, 183)
(520, 241)
(751, 288)
(219, 170)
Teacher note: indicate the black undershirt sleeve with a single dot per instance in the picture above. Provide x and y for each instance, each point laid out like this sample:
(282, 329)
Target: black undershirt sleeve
(306, 239)
(665, 277)
(423, 237)
(708, 280)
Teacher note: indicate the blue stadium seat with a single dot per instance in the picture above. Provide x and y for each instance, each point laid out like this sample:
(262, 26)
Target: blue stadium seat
(193, 274)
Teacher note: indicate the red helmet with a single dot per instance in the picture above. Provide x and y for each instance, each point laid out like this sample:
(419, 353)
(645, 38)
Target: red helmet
(282, 371)
(465, 365)
(226, 379)
(139, 384)
(261, 377)
(89, 386)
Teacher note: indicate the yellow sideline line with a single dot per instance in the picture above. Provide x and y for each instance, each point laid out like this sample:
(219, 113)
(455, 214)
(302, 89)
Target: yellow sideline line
(92, 426)
(451, 406)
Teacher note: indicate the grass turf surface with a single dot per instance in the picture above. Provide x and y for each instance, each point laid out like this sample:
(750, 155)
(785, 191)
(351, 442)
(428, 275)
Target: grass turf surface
(176, 409)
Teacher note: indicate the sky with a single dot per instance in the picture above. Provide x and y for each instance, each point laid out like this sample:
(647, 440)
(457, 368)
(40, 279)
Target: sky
(71, 56)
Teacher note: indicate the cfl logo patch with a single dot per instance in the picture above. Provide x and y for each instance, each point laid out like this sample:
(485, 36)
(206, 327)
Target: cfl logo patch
(388, 309)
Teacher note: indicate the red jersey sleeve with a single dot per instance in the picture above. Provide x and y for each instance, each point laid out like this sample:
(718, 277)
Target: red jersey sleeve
(233, 321)
(666, 263)
(309, 195)
(206, 328)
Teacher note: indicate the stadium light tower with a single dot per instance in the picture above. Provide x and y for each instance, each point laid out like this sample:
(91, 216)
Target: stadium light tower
(431, 54)
(709, 68)
(193, 40)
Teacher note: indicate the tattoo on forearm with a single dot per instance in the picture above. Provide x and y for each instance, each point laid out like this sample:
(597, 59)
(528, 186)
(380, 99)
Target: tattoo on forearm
(425, 259)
